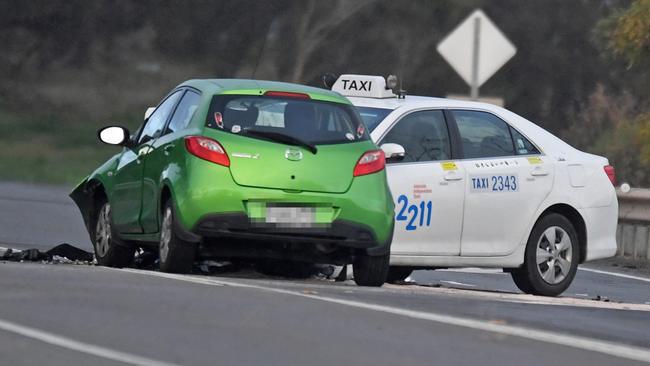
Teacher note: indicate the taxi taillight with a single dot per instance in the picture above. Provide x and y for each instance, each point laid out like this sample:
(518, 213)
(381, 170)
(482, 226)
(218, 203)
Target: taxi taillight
(207, 149)
(611, 173)
(370, 162)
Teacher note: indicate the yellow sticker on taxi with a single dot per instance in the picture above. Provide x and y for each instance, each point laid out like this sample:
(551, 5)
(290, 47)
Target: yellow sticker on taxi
(448, 165)
(535, 160)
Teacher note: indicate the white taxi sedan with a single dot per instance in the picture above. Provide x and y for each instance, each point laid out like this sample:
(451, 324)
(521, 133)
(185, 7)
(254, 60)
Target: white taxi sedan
(476, 185)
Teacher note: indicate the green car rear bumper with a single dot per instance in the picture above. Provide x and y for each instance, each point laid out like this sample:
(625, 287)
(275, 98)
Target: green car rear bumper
(209, 204)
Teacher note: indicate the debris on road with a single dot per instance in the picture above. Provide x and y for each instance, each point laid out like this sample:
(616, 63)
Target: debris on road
(601, 298)
(70, 252)
(60, 254)
(145, 259)
(212, 266)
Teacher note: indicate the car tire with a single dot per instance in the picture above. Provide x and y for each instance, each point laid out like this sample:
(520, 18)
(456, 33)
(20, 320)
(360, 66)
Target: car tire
(110, 251)
(370, 270)
(551, 257)
(398, 274)
(176, 255)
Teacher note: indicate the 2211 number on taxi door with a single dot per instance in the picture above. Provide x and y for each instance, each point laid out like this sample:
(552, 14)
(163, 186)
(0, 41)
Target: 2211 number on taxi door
(415, 214)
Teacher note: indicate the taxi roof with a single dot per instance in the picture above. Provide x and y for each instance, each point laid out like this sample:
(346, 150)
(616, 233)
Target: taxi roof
(414, 101)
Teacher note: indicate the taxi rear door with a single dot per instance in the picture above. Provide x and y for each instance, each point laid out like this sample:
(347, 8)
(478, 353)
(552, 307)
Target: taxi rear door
(427, 187)
(507, 180)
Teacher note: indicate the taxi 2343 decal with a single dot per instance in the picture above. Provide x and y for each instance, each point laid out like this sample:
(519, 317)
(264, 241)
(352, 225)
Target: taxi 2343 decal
(494, 183)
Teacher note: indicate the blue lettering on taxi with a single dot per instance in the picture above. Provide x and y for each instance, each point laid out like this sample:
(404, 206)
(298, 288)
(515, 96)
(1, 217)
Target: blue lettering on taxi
(494, 183)
(480, 183)
(416, 215)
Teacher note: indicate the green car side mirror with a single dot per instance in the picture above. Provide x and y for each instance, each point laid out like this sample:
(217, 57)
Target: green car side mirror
(115, 135)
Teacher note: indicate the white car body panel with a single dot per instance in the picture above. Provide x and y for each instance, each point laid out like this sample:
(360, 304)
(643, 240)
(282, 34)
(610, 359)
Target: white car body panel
(489, 235)
(487, 228)
(429, 186)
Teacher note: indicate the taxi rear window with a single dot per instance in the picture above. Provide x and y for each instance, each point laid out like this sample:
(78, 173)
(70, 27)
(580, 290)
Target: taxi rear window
(316, 122)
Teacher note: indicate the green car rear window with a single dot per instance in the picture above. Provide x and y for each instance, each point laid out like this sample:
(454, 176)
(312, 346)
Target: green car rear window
(316, 122)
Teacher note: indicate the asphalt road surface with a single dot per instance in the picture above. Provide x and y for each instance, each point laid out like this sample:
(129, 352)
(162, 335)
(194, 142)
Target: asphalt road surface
(78, 314)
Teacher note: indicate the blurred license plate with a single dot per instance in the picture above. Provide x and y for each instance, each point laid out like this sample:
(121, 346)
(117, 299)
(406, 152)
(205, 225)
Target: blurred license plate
(299, 216)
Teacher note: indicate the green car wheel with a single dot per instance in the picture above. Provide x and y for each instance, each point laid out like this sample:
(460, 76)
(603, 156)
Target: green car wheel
(110, 251)
(370, 270)
(176, 255)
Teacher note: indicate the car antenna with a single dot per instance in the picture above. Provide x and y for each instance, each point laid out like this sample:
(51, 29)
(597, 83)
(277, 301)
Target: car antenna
(401, 93)
(328, 80)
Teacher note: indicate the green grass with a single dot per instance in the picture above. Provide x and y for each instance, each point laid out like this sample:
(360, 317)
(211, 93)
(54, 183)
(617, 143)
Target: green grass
(46, 149)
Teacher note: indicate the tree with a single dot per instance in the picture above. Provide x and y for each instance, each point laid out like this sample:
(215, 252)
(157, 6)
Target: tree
(296, 36)
(643, 138)
(630, 37)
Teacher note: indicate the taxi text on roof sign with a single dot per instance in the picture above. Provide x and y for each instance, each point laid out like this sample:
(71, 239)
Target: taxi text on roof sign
(362, 86)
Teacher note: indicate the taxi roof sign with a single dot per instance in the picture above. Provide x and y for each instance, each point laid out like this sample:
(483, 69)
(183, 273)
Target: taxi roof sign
(368, 86)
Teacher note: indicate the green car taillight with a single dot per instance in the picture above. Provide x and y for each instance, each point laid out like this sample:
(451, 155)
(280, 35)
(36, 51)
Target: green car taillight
(370, 162)
(207, 149)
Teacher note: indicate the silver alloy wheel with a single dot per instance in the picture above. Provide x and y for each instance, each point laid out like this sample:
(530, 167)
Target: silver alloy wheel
(103, 231)
(165, 234)
(554, 255)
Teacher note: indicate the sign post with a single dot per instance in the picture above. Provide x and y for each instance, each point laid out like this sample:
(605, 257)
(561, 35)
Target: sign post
(475, 55)
(476, 49)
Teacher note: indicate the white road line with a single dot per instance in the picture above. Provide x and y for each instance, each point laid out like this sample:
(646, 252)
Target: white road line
(457, 283)
(71, 344)
(615, 274)
(566, 340)
(499, 271)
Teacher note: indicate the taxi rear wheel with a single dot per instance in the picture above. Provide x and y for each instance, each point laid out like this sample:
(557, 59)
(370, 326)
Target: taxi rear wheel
(551, 258)
(370, 270)
(176, 255)
(110, 251)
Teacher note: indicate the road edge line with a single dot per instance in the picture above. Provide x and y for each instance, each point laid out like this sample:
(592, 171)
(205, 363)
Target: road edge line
(81, 347)
(615, 274)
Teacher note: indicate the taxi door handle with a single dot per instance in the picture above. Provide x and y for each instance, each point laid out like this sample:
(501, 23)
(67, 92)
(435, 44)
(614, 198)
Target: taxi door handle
(452, 176)
(539, 172)
(167, 149)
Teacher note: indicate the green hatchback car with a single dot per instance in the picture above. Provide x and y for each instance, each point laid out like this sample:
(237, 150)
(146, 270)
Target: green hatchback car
(248, 169)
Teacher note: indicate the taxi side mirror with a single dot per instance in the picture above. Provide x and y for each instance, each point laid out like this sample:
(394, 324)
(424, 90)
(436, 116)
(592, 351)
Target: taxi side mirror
(393, 152)
(148, 112)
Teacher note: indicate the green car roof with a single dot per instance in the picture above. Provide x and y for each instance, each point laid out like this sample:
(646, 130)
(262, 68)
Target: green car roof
(258, 87)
